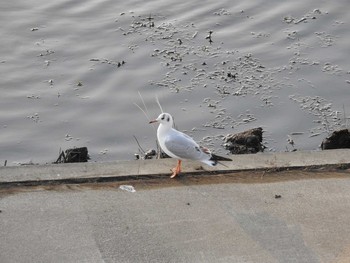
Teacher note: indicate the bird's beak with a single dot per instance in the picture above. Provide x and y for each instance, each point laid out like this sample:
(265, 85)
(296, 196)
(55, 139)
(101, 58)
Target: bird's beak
(153, 121)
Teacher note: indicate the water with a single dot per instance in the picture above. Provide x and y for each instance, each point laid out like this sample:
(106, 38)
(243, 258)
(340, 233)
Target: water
(71, 72)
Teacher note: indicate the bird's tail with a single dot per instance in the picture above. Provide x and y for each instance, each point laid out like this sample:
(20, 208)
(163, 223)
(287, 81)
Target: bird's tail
(214, 160)
(219, 158)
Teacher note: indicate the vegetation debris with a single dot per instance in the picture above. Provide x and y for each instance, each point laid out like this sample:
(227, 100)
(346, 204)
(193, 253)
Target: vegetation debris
(249, 141)
(337, 140)
(74, 155)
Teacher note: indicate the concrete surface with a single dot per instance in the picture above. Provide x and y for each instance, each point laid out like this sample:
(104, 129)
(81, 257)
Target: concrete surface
(294, 215)
(218, 218)
(82, 172)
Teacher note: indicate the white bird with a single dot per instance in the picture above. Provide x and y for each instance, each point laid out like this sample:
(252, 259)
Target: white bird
(181, 146)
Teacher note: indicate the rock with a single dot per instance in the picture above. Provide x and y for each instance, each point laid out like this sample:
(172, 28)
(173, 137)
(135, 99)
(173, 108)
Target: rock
(74, 155)
(150, 153)
(249, 141)
(337, 140)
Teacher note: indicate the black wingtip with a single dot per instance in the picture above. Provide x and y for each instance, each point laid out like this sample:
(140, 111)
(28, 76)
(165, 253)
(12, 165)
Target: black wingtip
(217, 158)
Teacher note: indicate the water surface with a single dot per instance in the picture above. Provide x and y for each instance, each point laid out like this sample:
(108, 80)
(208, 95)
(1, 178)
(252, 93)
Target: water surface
(71, 72)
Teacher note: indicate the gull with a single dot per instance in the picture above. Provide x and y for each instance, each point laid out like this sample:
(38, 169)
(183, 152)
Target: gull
(181, 146)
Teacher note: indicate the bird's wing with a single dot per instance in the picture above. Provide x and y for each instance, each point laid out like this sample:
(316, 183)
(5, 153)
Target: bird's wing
(183, 146)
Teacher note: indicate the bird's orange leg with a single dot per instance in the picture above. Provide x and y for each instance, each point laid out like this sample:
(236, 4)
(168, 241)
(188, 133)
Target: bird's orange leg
(176, 170)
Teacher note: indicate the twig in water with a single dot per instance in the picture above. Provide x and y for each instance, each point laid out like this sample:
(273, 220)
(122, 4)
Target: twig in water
(144, 111)
(160, 106)
(61, 157)
(345, 119)
(142, 150)
(144, 105)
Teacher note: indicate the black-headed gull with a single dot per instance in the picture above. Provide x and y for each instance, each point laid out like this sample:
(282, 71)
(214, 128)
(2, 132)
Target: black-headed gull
(181, 146)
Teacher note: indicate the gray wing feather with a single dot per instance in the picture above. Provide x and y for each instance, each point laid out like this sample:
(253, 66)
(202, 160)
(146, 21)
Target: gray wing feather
(183, 146)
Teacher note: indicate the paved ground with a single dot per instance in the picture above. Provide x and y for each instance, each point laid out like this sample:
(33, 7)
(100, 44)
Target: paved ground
(215, 218)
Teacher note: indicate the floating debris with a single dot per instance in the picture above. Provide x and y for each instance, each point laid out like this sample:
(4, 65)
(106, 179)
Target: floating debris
(290, 140)
(326, 40)
(35, 117)
(314, 134)
(33, 96)
(288, 19)
(68, 137)
(329, 68)
(48, 52)
(300, 20)
(109, 62)
(309, 16)
(297, 133)
(222, 12)
(104, 151)
(209, 37)
(30, 162)
(327, 118)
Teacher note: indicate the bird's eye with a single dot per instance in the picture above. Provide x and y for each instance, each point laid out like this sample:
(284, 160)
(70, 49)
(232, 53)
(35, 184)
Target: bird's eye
(163, 116)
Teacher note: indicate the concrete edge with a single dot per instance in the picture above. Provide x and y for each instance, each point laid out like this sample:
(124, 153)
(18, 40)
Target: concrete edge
(147, 169)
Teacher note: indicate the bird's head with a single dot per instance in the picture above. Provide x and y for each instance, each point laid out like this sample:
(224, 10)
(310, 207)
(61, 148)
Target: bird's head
(165, 119)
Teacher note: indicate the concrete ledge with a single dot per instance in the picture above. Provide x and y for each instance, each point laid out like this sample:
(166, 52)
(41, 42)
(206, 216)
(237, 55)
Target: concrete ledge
(125, 170)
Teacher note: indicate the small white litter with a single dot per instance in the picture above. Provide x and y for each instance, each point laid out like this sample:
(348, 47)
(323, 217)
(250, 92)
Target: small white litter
(128, 188)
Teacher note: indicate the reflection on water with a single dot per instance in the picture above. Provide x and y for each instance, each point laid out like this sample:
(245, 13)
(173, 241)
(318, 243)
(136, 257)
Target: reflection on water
(71, 73)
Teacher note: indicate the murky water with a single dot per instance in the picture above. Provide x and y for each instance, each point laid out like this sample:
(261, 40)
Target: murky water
(71, 72)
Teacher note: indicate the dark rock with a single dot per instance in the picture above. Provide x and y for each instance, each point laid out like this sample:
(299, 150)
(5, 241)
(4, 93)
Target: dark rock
(74, 155)
(249, 141)
(162, 155)
(150, 153)
(337, 140)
